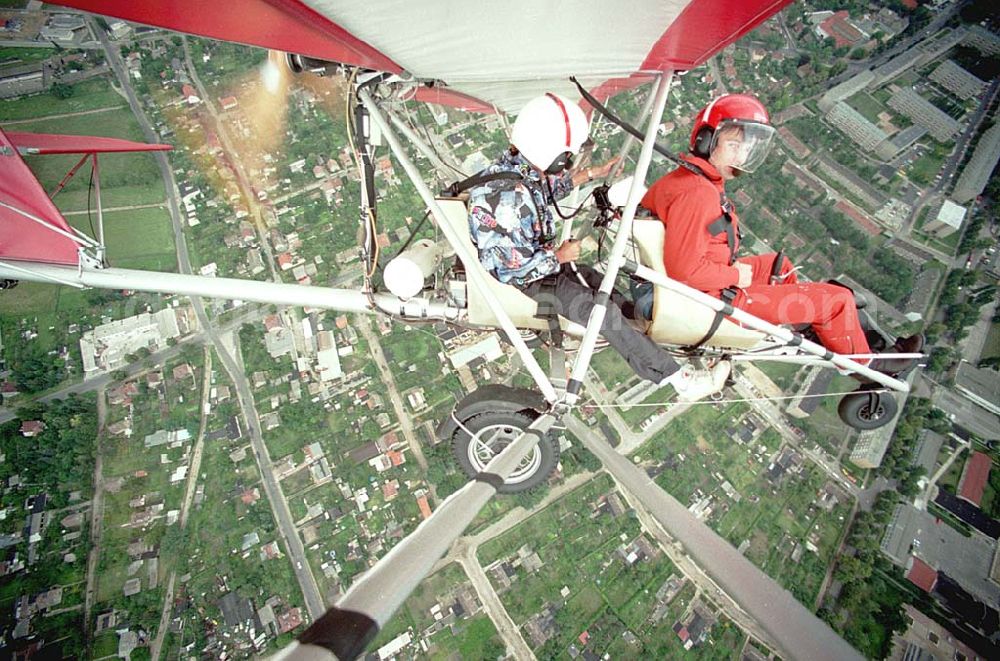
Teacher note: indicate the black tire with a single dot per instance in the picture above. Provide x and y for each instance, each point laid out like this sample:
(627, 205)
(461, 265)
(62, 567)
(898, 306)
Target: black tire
(503, 427)
(867, 409)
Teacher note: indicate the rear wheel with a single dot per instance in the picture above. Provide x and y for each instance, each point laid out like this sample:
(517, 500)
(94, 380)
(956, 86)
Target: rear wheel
(867, 409)
(490, 434)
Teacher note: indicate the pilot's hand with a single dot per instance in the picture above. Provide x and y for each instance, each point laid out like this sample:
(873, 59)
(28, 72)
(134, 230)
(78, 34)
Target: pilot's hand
(602, 171)
(569, 251)
(746, 275)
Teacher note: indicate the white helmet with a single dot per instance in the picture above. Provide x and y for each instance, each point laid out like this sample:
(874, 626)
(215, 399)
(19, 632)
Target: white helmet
(548, 131)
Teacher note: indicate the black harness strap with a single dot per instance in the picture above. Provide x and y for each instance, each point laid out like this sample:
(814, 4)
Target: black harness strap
(547, 308)
(728, 295)
(460, 187)
(724, 223)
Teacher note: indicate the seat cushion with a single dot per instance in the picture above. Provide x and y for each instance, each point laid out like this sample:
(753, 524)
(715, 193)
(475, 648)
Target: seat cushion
(676, 318)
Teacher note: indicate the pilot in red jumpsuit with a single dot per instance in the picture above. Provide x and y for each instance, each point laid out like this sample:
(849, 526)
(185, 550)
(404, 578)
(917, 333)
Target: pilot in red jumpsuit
(732, 135)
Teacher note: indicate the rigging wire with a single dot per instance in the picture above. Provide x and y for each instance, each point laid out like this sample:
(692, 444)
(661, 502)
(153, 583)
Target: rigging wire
(427, 135)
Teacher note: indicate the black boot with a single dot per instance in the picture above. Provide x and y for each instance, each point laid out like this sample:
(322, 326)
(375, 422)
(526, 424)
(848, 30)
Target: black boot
(893, 366)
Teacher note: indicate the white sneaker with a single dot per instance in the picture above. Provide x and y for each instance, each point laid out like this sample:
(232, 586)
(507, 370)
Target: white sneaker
(692, 385)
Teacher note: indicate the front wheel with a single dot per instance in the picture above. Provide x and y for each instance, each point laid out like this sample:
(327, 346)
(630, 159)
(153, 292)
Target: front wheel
(490, 434)
(867, 409)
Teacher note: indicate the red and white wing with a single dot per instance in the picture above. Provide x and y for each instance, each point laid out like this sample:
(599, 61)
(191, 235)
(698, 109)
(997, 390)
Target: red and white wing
(501, 53)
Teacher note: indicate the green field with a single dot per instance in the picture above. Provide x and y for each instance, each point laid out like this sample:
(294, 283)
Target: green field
(867, 106)
(18, 56)
(137, 238)
(121, 196)
(992, 346)
(472, 638)
(88, 95)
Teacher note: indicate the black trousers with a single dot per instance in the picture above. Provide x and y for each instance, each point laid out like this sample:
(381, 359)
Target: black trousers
(574, 293)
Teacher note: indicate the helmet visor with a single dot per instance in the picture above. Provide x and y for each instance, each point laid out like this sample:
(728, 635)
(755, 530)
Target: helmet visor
(749, 142)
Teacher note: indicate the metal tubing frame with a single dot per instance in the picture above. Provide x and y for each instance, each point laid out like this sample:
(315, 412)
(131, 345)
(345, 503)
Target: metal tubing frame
(616, 258)
(96, 171)
(344, 300)
(783, 334)
(475, 277)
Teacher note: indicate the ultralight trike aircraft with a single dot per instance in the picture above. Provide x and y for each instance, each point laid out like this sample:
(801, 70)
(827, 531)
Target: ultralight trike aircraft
(490, 58)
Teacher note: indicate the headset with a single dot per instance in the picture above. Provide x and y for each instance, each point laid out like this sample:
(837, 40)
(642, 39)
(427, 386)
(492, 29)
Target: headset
(703, 142)
(562, 162)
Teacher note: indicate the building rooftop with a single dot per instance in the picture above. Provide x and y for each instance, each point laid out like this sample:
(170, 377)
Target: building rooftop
(921, 574)
(974, 478)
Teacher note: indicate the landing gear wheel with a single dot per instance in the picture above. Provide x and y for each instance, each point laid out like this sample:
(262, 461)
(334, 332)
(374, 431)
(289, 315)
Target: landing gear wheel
(491, 433)
(867, 409)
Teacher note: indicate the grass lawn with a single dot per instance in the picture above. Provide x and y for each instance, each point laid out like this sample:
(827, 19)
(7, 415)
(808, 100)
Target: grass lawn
(612, 369)
(119, 196)
(950, 479)
(992, 346)
(88, 95)
(138, 238)
(867, 106)
(783, 374)
(11, 56)
(947, 244)
(923, 170)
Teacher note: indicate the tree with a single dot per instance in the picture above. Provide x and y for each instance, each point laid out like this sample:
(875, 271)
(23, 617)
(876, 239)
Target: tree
(61, 90)
(993, 362)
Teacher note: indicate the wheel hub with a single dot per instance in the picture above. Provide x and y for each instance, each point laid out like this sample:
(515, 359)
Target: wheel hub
(490, 441)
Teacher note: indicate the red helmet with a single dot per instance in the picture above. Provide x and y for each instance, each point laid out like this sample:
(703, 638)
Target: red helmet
(735, 110)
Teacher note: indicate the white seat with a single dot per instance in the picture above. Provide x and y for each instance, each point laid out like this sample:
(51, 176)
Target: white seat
(521, 308)
(676, 318)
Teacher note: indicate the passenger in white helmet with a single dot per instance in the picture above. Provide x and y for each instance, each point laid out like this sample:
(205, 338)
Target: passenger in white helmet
(512, 225)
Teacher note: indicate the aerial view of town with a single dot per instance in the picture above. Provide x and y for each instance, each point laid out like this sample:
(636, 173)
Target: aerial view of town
(186, 477)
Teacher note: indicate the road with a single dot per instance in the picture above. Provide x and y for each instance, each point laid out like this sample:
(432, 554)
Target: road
(96, 520)
(405, 425)
(199, 443)
(797, 633)
(279, 507)
(508, 631)
(464, 552)
(770, 411)
(156, 358)
(950, 167)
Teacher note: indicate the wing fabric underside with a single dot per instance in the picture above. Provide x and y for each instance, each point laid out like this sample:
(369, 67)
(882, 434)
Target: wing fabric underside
(501, 53)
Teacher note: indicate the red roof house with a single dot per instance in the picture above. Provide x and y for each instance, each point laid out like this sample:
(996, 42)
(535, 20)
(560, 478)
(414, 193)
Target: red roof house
(839, 27)
(289, 620)
(974, 478)
(921, 574)
(425, 508)
(228, 103)
(30, 428)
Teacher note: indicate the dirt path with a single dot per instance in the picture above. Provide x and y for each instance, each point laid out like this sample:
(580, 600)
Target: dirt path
(464, 553)
(192, 481)
(132, 207)
(96, 521)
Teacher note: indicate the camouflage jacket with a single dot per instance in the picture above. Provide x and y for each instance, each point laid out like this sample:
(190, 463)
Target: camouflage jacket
(511, 224)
